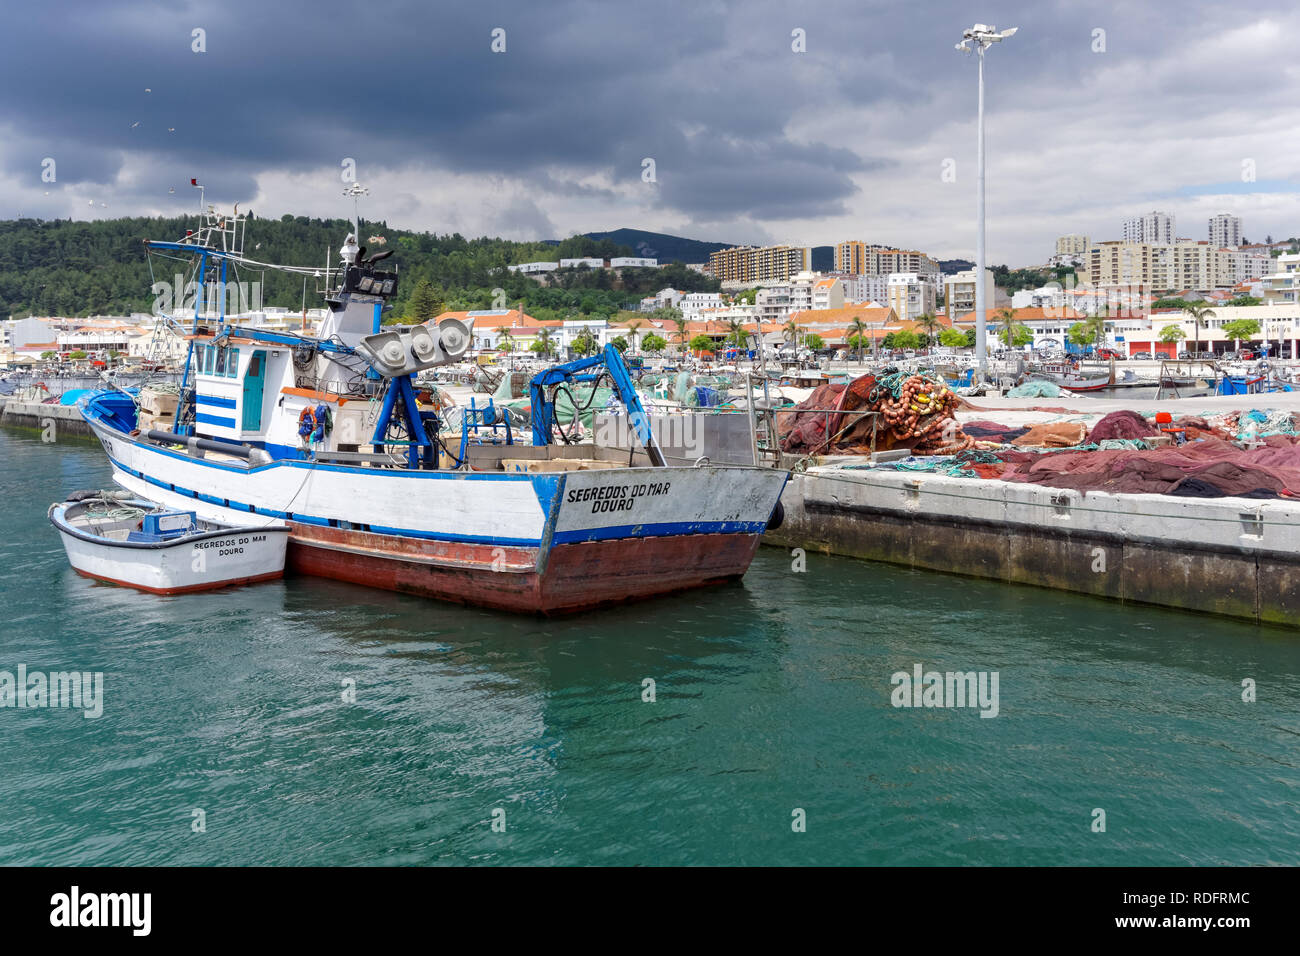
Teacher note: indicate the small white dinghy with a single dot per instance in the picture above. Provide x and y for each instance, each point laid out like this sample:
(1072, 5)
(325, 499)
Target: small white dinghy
(114, 536)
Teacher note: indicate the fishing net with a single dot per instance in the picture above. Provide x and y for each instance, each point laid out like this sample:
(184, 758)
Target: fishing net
(911, 410)
(1036, 389)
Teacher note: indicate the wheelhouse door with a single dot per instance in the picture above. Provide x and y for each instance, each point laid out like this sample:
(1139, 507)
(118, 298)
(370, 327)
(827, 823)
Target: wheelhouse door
(254, 384)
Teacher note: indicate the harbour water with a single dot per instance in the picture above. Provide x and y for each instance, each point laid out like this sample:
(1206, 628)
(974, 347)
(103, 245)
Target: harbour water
(770, 696)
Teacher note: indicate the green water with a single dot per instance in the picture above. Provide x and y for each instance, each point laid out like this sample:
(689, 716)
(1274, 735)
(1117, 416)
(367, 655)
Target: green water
(771, 695)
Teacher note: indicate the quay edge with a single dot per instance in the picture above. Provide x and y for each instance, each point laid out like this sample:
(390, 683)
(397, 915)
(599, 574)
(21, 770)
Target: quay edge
(1234, 557)
(67, 419)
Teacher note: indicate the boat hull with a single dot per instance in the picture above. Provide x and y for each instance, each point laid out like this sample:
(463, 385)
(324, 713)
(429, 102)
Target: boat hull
(574, 577)
(550, 543)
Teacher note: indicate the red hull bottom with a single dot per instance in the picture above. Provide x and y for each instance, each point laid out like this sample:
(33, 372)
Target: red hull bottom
(573, 577)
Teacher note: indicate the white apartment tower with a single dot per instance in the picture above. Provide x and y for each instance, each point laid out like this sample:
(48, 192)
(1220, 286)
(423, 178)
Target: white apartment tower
(1225, 231)
(1154, 227)
(1072, 245)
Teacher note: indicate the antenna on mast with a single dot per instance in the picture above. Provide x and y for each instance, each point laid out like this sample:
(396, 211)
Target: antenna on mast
(356, 191)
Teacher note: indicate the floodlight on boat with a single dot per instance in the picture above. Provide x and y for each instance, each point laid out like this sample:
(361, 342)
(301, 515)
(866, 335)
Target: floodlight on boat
(454, 337)
(386, 352)
(423, 345)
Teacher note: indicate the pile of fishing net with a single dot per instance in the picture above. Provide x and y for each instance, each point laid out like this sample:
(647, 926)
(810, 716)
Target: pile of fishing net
(1036, 389)
(1254, 424)
(919, 412)
(913, 410)
(1211, 468)
(1122, 424)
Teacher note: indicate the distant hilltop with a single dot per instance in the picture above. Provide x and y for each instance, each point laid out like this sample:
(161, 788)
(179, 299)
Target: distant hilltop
(665, 248)
(657, 245)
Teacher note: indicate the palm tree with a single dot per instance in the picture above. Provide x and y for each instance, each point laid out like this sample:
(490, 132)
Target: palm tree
(930, 324)
(545, 339)
(790, 332)
(1009, 324)
(680, 322)
(1199, 314)
(736, 333)
(632, 331)
(859, 328)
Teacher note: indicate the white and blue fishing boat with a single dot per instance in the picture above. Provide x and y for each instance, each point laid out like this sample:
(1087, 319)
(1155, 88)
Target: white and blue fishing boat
(324, 433)
(111, 536)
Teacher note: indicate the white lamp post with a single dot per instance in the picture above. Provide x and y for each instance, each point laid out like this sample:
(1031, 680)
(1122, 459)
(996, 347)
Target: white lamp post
(978, 39)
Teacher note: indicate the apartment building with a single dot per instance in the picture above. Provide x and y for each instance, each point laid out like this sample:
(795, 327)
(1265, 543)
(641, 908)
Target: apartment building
(749, 265)
(1225, 231)
(1283, 285)
(1154, 227)
(694, 303)
(859, 289)
(827, 293)
(911, 295)
(959, 292)
(859, 258)
(534, 268)
(1178, 265)
(805, 291)
(666, 298)
(1072, 245)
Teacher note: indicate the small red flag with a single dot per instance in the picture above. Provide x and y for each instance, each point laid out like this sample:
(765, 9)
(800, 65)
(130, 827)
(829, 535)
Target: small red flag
(194, 182)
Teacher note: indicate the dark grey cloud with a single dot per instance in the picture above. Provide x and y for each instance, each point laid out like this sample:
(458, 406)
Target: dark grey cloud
(712, 91)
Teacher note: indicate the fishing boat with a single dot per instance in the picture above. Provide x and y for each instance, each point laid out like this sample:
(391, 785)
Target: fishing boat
(115, 537)
(1075, 378)
(326, 433)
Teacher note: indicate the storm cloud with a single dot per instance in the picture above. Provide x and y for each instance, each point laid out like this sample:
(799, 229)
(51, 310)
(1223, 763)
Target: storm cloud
(807, 122)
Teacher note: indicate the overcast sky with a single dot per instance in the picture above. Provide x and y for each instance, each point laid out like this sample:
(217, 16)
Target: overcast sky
(1174, 107)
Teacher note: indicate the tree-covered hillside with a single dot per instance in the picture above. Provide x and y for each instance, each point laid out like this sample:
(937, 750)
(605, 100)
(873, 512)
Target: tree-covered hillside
(67, 267)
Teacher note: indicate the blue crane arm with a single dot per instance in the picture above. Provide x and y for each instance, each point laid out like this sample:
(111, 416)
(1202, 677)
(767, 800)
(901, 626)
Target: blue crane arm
(544, 410)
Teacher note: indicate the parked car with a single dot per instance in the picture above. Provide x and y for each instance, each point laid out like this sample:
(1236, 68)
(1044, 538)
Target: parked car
(1108, 353)
(1141, 356)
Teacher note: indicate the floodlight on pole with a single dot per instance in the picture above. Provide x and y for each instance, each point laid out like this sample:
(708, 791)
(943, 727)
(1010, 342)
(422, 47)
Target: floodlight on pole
(976, 40)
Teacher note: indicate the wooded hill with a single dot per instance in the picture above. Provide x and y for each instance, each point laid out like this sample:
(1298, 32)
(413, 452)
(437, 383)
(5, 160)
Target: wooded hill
(76, 268)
